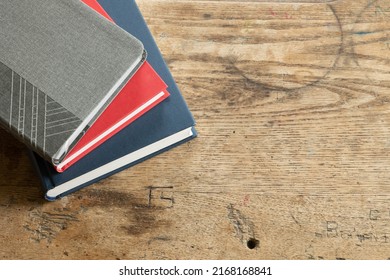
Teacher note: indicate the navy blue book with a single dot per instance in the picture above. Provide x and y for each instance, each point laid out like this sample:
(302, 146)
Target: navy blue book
(165, 126)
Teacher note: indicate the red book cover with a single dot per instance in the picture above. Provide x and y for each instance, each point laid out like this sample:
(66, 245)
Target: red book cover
(143, 91)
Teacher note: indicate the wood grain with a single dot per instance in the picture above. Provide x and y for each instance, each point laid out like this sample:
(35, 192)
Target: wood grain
(292, 160)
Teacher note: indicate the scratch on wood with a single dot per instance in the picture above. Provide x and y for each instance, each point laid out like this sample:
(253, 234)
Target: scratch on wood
(374, 215)
(46, 225)
(164, 198)
(243, 226)
(295, 220)
(159, 238)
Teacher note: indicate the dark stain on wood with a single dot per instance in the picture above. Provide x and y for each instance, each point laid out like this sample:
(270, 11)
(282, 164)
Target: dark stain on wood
(142, 218)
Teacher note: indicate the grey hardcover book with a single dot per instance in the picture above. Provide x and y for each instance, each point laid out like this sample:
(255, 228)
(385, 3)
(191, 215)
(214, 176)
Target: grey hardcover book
(61, 64)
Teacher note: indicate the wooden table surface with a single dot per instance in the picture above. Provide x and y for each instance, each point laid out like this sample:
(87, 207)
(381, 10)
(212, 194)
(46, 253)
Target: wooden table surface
(292, 102)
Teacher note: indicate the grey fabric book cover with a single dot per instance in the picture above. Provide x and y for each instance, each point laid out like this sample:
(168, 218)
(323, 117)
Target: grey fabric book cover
(61, 64)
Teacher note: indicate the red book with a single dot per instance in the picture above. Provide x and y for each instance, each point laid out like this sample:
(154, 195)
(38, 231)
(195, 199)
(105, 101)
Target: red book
(143, 91)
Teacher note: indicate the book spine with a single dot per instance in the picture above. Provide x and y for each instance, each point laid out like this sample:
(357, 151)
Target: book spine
(123, 167)
(40, 170)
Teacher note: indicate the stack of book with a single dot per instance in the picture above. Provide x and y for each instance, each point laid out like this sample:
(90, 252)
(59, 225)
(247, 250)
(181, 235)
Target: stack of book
(85, 87)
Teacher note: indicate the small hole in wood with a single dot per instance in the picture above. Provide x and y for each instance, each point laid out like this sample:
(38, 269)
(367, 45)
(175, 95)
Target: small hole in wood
(252, 243)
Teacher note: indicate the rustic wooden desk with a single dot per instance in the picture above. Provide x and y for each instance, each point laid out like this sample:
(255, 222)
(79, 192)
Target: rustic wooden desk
(292, 102)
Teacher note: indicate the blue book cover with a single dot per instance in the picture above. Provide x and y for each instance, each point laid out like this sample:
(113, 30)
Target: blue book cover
(167, 125)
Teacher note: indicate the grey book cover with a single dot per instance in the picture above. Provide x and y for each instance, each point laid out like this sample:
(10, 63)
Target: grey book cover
(61, 63)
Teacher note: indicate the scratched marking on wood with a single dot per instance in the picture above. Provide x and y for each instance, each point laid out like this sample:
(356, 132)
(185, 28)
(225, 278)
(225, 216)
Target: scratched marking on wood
(243, 227)
(374, 228)
(46, 225)
(160, 197)
(292, 107)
